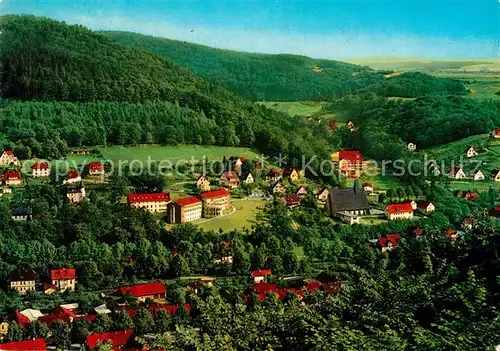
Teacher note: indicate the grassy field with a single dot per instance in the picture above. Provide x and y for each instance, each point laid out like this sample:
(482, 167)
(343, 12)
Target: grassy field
(293, 108)
(171, 153)
(245, 216)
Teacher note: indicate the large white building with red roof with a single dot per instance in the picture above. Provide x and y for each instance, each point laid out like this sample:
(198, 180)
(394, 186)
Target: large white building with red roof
(63, 278)
(350, 162)
(153, 202)
(40, 169)
(185, 210)
(399, 211)
(215, 202)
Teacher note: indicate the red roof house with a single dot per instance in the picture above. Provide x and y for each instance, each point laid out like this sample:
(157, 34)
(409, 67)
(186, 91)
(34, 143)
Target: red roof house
(96, 167)
(399, 211)
(22, 320)
(40, 166)
(118, 338)
(351, 156)
(389, 242)
(73, 174)
(291, 200)
(259, 275)
(264, 287)
(25, 345)
(153, 197)
(496, 133)
(154, 290)
(63, 273)
(60, 313)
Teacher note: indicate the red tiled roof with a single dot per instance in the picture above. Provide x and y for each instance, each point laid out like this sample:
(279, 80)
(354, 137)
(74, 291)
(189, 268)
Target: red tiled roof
(186, 201)
(215, 193)
(63, 273)
(261, 273)
(367, 185)
(118, 338)
(399, 208)
(288, 171)
(73, 174)
(8, 152)
(291, 199)
(146, 289)
(40, 165)
(153, 197)
(22, 320)
(96, 166)
(59, 313)
(264, 287)
(353, 156)
(391, 238)
(451, 233)
(25, 345)
(496, 131)
(12, 175)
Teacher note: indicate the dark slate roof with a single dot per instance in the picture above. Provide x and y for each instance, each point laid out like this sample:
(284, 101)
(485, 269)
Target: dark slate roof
(23, 275)
(22, 211)
(349, 199)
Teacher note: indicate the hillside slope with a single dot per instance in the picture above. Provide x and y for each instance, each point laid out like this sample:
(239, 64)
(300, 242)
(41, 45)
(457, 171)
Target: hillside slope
(256, 76)
(54, 63)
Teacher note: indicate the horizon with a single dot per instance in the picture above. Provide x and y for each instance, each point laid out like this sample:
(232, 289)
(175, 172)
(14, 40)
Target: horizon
(336, 30)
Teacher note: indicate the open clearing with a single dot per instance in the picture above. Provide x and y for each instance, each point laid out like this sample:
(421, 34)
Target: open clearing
(244, 216)
(171, 153)
(295, 108)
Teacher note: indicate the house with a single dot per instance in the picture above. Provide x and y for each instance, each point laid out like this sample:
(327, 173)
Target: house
(185, 210)
(154, 291)
(154, 202)
(64, 278)
(350, 163)
(331, 125)
(72, 177)
(229, 180)
(248, 178)
(471, 151)
(411, 146)
(30, 314)
(60, 313)
(293, 174)
(273, 175)
(96, 168)
(75, 192)
(390, 242)
(23, 280)
(451, 234)
(22, 214)
(203, 183)
(495, 175)
(235, 162)
(351, 126)
(4, 326)
(496, 133)
(258, 165)
(347, 204)
(457, 173)
(412, 203)
(7, 158)
(368, 188)
(426, 207)
(119, 340)
(468, 223)
(291, 200)
(322, 194)
(25, 345)
(215, 202)
(260, 275)
(433, 169)
(40, 169)
(12, 178)
(277, 188)
(418, 232)
(467, 195)
(302, 191)
(399, 211)
(477, 175)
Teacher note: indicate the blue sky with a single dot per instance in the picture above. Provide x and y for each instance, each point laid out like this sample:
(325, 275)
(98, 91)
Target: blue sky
(328, 29)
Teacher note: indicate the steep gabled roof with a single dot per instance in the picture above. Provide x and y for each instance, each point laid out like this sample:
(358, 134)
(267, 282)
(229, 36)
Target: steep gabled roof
(25, 345)
(231, 175)
(73, 174)
(392, 239)
(8, 152)
(96, 166)
(63, 273)
(291, 199)
(40, 166)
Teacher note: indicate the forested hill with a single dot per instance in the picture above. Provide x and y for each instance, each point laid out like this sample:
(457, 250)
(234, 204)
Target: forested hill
(52, 62)
(256, 76)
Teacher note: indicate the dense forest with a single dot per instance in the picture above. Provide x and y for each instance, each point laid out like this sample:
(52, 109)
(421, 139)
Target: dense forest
(428, 294)
(386, 126)
(285, 77)
(149, 99)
